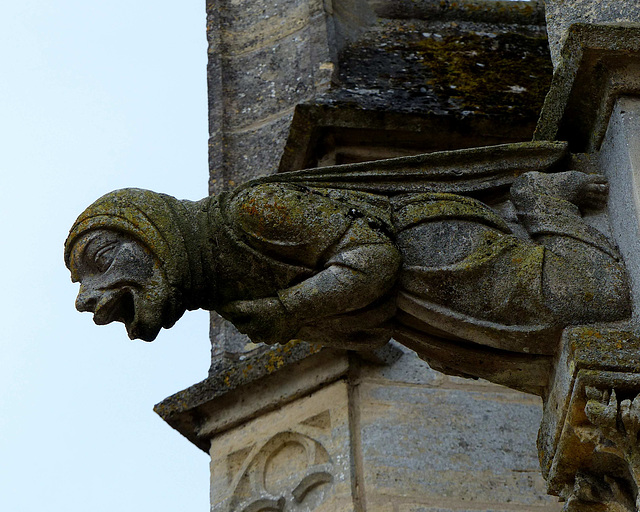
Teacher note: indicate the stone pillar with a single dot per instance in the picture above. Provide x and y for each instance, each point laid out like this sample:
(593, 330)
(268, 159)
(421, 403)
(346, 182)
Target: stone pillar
(588, 440)
(303, 83)
(562, 14)
(334, 431)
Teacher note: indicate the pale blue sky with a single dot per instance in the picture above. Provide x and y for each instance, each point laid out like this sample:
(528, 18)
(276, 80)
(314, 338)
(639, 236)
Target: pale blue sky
(94, 96)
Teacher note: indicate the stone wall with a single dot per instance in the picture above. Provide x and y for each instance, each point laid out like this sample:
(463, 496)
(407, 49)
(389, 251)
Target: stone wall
(434, 443)
(264, 58)
(384, 438)
(298, 83)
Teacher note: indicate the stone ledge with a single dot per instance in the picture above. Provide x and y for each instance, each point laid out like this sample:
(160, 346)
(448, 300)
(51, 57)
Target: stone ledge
(181, 410)
(262, 381)
(599, 63)
(494, 11)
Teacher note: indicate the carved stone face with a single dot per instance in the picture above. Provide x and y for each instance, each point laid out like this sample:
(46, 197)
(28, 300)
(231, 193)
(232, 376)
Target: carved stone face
(120, 280)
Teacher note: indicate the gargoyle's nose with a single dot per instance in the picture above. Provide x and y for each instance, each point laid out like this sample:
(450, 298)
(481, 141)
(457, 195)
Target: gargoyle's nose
(86, 300)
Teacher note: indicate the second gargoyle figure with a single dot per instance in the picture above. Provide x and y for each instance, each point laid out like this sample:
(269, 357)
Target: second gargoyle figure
(283, 260)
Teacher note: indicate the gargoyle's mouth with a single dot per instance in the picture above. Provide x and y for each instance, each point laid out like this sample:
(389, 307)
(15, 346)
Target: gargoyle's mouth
(118, 307)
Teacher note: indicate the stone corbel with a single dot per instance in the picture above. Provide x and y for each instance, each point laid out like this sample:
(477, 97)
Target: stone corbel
(613, 429)
(598, 65)
(616, 423)
(588, 440)
(589, 437)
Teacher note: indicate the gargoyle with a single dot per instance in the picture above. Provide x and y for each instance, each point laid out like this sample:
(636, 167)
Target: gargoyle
(352, 259)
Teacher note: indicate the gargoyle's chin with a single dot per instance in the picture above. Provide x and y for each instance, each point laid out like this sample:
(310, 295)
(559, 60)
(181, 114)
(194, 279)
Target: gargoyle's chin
(146, 321)
(145, 332)
(150, 316)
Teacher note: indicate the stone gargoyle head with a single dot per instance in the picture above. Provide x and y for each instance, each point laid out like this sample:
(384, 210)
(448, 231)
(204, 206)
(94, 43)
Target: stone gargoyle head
(129, 254)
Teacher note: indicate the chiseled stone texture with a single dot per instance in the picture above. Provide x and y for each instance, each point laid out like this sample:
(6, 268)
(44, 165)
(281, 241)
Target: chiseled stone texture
(385, 438)
(561, 14)
(433, 443)
(264, 58)
(296, 458)
(620, 160)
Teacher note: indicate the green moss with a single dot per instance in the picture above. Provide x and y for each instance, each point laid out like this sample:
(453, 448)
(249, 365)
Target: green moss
(509, 73)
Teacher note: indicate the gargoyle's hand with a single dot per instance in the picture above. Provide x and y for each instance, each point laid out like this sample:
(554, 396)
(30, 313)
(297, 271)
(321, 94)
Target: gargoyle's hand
(593, 192)
(584, 190)
(263, 320)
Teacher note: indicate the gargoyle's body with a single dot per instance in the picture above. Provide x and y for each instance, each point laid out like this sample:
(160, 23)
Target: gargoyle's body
(282, 260)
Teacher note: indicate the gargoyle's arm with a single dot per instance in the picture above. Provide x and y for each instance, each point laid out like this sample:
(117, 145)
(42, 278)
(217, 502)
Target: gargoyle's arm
(353, 278)
(357, 269)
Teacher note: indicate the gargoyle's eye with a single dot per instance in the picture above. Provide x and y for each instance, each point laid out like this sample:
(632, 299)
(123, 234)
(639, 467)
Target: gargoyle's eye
(103, 257)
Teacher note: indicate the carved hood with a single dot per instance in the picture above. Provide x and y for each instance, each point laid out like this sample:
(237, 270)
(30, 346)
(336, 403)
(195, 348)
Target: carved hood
(161, 222)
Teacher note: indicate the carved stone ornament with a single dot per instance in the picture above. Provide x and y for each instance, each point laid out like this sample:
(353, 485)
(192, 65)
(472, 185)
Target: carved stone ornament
(597, 463)
(617, 423)
(289, 472)
(611, 479)
(433, 250)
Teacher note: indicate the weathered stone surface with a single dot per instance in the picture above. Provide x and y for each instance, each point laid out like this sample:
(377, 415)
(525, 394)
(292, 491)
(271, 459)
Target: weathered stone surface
(316, 256)
(297, 457)
(407, 86)
(264, 57)
(259, 83)
(440, 443)
(588, 440)
(494, 11)
(410, 432)
(599, 64)
(620, 159)
(445, 68)
(561, 14)
(238, 390)
(408, 445)
(250, 163)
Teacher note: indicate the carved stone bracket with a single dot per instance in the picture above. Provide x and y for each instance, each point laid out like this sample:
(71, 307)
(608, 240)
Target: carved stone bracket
(617, 423)
(614, 430)
(589, 437)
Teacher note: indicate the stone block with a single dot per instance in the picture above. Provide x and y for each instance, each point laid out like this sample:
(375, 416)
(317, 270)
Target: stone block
(247, 25)
(244, 161)
(474, 446)
(295, 457)
(620, 161)
(561, 14)
(264, 82)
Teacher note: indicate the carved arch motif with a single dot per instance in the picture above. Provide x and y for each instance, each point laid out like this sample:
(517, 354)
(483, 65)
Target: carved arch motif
(291, 471)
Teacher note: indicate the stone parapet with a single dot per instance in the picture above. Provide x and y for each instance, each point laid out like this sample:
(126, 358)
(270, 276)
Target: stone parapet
(562, 14)
(336, 431)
